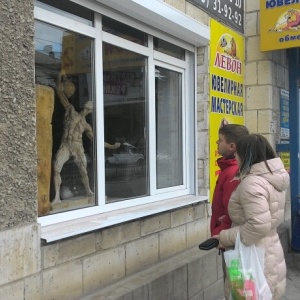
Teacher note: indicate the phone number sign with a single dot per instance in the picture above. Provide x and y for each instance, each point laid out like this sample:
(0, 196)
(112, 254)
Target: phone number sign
(229, 11)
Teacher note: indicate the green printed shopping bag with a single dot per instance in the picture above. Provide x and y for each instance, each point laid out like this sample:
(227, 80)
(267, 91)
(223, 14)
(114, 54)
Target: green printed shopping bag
(245, 268)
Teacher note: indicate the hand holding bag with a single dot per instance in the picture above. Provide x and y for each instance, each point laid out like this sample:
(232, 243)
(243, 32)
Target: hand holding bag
(245, 268)
(209, 244)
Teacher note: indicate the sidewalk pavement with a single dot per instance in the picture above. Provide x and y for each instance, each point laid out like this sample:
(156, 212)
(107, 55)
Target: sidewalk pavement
(292, 291)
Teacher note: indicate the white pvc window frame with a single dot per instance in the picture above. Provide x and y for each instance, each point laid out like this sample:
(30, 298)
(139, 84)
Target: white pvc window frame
(186, 68)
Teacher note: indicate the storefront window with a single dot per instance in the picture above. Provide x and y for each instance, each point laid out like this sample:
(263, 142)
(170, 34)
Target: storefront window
(68, 9)
(168, 102)
(124, 31)
(136, 88)
(124, 123)
(64, 99)
(168, 48)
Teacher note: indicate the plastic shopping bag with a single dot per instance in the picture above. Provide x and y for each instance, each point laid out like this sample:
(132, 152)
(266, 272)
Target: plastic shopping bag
(245, 269)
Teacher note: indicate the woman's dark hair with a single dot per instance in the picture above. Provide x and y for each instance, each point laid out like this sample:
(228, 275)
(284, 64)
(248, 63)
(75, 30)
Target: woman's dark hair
(252, 149)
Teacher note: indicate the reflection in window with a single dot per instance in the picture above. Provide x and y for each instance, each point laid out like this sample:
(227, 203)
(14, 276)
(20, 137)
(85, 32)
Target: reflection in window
(124, 123)
(124, 31)
(168, 99)
(64, 99)
(68, 9)
(168, 48)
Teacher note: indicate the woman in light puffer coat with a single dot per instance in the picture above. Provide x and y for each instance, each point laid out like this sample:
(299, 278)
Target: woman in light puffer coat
(256, 207)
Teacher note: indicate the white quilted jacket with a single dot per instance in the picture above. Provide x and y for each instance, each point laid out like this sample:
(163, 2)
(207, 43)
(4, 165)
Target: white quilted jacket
(256, 208)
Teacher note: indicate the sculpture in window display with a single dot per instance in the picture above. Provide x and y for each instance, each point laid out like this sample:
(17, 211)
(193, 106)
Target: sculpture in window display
(75, 125)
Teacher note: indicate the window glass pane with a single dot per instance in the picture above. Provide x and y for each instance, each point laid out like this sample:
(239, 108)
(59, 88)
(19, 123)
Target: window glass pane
(68, 9)
(169, 163)
(64, 99)
(168, 48)
(124, 31)
(126, 162)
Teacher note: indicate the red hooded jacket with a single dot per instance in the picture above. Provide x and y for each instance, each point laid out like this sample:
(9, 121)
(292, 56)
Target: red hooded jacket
(224, 187)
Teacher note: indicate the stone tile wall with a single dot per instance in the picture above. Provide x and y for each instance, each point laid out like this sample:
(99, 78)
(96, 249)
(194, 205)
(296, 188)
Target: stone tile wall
(266, 73)
(69, 268)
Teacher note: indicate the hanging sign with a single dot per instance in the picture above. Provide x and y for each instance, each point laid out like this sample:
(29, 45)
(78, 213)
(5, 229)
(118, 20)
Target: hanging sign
(279, 24)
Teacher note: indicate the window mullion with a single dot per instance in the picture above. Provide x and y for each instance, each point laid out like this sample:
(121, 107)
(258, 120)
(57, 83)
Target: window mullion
(115, 40)
(63, 22)
(151, 118)
(184, 140)
(99, 112)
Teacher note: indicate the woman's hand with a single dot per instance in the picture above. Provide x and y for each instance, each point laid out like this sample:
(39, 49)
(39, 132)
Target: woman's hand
(220, 246)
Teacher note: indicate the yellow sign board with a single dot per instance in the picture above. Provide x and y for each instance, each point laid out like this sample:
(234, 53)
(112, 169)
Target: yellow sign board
(227, 55)
(279, 24)
(285, 157)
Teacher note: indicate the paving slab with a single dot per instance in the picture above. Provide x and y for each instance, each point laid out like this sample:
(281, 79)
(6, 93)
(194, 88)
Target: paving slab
(292, 291)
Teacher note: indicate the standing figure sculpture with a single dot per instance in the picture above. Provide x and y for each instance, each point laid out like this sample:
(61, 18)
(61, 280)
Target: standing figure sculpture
(75, 125)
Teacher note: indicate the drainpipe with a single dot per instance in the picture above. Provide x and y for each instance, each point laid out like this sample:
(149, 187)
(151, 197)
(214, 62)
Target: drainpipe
(294, 80)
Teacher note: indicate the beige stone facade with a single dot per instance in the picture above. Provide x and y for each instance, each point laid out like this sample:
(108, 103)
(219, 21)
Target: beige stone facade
(266, 73)
(68, 269)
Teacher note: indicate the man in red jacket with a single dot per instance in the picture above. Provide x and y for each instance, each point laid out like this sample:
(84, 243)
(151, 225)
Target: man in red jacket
(228, 136)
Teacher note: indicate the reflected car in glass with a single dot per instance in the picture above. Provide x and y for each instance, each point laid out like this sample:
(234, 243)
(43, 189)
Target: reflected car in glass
(126, 154)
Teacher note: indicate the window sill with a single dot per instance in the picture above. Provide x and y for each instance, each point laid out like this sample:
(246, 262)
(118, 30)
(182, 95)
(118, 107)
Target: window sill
(62, 230)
